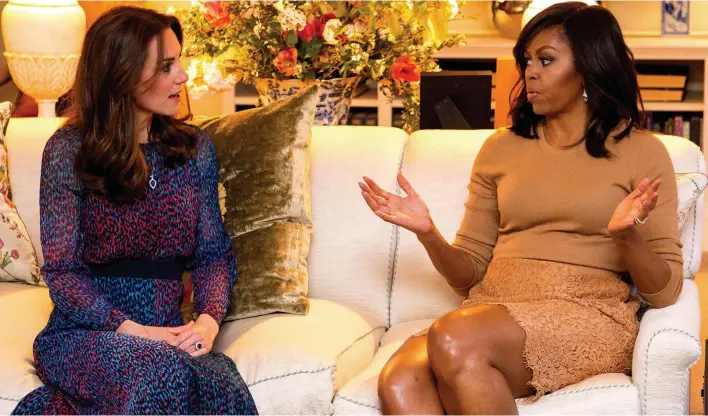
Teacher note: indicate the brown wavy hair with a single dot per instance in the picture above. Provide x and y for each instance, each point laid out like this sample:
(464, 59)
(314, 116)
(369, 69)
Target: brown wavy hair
(102, 104)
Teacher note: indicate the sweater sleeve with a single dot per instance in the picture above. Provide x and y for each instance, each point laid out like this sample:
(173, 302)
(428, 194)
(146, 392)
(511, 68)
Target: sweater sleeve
(64, 270)
(213, 262)
(661, 230)
(477, 235)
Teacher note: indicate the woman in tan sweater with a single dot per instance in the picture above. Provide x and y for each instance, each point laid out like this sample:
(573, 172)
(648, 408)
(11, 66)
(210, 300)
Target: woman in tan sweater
(563, 207)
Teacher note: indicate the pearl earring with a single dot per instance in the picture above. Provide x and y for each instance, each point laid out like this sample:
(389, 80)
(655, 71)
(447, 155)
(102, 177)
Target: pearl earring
(585, 95)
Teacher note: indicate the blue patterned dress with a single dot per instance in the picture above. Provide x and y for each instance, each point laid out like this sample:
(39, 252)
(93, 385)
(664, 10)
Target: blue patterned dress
(85, 365)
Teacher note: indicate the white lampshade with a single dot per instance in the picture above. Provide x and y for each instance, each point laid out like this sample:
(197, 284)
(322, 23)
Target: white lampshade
(43, 40)
(537, 6)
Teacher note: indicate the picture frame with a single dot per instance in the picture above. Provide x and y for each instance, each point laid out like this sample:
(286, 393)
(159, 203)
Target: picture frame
(675, 17)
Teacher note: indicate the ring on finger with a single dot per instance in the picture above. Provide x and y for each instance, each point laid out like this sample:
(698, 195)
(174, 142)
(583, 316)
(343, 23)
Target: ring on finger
(639, 221)
(198, 346)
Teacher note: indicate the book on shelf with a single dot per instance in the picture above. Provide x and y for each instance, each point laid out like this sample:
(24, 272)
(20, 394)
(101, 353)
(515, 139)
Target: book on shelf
(398, 120)
(687, 126)
(371, 119)
(662, 95)
(662, 82)
(363, 118)
(662, 75)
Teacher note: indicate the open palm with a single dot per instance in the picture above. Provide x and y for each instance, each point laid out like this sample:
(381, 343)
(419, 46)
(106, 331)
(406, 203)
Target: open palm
(409, 212)
(635, 207)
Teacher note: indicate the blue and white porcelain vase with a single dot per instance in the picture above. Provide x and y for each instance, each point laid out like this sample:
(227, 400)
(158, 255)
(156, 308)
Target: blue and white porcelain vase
(335, 96)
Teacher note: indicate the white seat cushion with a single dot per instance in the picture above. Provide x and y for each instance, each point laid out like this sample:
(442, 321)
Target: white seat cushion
(25, 310)
(603, 394)
(295, 364)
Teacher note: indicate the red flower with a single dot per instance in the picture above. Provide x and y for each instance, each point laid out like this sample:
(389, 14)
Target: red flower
(15, 254)
(2, 244)
(286, 61)
(403, 68)
(320, 23)
(217, 13)
(307, 33)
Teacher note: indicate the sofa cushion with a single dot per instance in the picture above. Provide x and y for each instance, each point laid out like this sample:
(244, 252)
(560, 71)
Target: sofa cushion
(18, 261)
(438, 166)
(18, 331)
(264, 164)
(603, 394)
(25, 140)
(295, 364)
(350, 258)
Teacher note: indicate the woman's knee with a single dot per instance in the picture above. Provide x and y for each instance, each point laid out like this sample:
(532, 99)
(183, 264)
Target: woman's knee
(457, 344)
(403, 374)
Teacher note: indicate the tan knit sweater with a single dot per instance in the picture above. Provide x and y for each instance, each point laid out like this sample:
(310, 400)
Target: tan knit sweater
(530, 200)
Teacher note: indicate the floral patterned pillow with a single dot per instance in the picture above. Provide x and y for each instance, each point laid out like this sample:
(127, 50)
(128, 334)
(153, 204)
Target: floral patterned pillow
(18, 260)
(690, 187)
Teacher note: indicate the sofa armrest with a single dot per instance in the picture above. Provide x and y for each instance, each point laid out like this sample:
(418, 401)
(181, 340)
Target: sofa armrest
(667, 347)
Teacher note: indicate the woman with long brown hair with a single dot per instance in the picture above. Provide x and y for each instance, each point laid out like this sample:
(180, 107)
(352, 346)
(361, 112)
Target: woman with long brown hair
(128, 200)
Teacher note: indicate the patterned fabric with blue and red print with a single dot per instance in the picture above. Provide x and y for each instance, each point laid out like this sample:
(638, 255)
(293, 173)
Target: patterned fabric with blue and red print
(87, 367)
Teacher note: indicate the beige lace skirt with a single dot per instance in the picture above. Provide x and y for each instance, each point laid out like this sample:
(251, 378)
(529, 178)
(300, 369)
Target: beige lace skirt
(579, 321)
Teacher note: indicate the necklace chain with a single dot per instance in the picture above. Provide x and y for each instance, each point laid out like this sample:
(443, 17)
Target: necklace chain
(562, 146)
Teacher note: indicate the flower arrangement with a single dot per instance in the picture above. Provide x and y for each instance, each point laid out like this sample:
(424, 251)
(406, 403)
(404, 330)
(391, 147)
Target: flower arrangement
(391, 42)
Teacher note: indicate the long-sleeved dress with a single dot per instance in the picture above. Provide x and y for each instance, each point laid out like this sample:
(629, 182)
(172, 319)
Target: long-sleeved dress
(85, 365)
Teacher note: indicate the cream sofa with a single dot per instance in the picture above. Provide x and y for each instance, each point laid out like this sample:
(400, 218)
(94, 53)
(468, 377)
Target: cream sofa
(372, 286)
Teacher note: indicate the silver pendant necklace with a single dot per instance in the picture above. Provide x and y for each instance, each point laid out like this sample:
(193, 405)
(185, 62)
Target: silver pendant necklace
(153, 182)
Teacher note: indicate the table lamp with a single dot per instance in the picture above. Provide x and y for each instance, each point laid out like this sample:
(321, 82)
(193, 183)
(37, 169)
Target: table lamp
(537, 6)
(43, 40)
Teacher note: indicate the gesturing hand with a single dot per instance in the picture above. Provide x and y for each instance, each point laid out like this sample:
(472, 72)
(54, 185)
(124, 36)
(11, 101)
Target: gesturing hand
(635, 207)
(409, 212)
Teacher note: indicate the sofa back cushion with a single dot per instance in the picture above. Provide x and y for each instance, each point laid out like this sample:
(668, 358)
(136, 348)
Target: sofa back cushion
(350, 252)
(25, 140)
(438, 165)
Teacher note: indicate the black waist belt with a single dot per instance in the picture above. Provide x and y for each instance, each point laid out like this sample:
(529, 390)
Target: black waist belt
(146, 269)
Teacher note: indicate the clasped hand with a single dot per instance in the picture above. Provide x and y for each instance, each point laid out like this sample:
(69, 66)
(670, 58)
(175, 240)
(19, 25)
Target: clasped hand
(185, 337)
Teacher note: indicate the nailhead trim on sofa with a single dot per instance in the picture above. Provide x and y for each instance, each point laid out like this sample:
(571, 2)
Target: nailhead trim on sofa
(393, 252)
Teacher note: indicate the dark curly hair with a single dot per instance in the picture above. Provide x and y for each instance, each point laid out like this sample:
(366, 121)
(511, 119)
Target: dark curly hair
(103, 107)
(603, 60)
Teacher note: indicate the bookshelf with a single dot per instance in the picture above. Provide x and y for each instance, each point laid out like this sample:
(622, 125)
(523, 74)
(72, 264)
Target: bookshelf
(489, 48)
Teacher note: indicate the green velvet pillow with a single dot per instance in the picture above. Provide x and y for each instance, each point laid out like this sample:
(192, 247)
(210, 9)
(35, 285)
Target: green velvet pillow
(264, 169)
